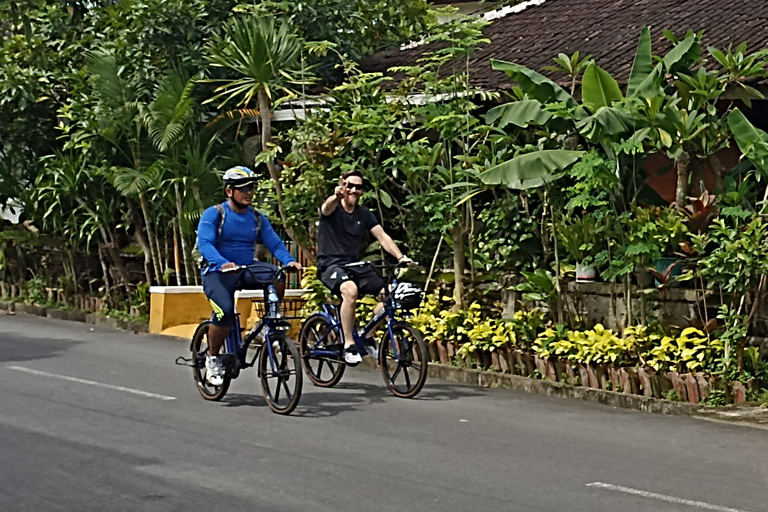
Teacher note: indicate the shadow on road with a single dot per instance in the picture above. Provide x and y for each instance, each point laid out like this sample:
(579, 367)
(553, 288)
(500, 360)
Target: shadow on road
(350, 396)
(16, 348)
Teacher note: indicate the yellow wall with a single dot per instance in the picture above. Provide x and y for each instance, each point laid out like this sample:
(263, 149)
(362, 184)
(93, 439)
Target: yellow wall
(179, 313)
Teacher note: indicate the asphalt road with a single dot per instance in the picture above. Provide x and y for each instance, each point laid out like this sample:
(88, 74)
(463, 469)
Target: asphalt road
(98, 420)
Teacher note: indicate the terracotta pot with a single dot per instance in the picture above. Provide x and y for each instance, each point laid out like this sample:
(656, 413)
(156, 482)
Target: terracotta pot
(482, 358)
(739, 391)
(584, 375)
(572, 374)
(433, 352)
(495, 360)
(691, 387)
(615, 378)
(550, 367)
(593, 381)
(560, 369)
(630, 381)
(442, 352)
(504, 364)
(530, 363)
(601, 371)
(520, 366)
(678, 385)
(703, 384)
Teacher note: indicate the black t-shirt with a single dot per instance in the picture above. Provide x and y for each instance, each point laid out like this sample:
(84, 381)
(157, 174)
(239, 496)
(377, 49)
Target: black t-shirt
(341, 235)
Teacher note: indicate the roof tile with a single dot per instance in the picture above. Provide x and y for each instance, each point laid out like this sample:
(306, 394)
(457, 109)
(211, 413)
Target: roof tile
(607, 29)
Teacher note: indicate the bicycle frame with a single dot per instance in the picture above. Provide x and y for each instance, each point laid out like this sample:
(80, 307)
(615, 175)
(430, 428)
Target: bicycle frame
(331, 313)
(237, 344)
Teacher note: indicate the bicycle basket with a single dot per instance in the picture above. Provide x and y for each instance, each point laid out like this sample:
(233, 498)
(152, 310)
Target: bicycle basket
(408, 296)
(290, 308)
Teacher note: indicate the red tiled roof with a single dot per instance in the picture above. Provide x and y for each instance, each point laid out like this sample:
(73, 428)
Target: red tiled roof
(607, 29)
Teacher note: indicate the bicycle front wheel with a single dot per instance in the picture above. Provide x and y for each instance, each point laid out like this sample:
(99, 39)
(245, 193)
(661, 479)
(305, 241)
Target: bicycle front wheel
(199, 351)
(324, 372)
(281, 376)
(403, 358)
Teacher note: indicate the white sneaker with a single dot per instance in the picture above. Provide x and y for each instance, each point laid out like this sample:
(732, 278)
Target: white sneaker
(215, 370)
(351, 357)
(370, 347)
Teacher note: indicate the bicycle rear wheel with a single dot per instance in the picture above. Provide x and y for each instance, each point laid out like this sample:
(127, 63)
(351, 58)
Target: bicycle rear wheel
(405, 373)
(324, 372)
(199, 352)
(281, 377)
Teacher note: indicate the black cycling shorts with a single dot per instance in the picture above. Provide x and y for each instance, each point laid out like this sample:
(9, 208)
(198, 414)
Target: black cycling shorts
(220, 288)
(364, 276)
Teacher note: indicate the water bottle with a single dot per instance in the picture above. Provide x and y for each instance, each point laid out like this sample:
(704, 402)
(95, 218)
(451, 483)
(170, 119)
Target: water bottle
(273, 302)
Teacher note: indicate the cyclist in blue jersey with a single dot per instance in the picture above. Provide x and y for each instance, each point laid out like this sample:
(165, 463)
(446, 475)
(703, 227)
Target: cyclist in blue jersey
(226, 238)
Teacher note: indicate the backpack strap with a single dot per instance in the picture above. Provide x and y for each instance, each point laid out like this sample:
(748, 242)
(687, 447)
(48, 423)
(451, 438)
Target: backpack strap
(222, 216)
(257, 215)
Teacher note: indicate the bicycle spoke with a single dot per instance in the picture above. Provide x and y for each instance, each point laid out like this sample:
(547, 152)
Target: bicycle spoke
(277, 391)
(320, 368)
(317, 338)
(407, 377)
(287, 391)
(397, 372)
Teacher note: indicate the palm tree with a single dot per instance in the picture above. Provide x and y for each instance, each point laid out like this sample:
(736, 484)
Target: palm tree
(118, 110)
(268, 62)
(188, 151)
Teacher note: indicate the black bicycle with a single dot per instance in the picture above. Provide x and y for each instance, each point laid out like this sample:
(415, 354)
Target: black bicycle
(403, 356)
(277, 355)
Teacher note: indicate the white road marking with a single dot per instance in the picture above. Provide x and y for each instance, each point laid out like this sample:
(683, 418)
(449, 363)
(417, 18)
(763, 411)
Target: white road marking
(664, 497)
(91, 383)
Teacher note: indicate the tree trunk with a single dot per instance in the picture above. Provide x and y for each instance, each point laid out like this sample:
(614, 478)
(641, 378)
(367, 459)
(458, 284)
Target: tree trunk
(176, 266)
(717, 169)
(682, 163)
(162, 256)
(558, 286)
(184, 249)
(458, 267)
(104, 269)
(139, 234)
(154, 247)
(266, 138)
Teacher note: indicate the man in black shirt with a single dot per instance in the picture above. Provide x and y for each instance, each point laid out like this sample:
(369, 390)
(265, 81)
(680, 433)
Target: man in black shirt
(344, 225)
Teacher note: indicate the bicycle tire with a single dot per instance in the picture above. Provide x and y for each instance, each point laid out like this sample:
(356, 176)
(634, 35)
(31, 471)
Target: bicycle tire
(199, 348)
(274, 382)
(412, 354)
(308, 337)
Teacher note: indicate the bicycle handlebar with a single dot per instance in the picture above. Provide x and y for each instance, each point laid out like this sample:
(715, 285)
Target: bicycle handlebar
(278, 273)
(382, 263)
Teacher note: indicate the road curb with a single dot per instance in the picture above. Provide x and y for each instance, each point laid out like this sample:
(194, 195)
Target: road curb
(465, 376)
(479, 378)
(74, 316)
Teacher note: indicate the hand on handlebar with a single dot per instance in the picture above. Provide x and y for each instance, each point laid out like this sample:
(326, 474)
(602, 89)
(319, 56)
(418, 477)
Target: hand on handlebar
(293, 265)
(405, 261)
(229, 267)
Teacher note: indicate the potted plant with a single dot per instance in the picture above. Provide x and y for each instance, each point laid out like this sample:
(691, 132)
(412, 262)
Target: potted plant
(654, 236)
(577, 237)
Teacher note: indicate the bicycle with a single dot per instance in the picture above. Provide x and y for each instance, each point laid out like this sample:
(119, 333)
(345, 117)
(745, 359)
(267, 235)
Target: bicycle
(278, 357)
(401, 349)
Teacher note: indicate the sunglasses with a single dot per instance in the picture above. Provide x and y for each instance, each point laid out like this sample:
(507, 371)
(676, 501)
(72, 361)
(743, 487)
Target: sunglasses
(245, 189)
(354, 186)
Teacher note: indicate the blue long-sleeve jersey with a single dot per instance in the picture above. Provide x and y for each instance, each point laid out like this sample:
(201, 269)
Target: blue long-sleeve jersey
(237, 239)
